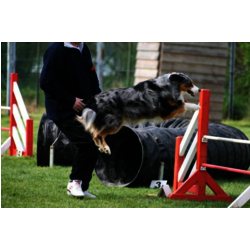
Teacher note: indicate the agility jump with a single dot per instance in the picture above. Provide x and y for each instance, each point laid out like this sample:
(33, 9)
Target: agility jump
(19, 124)
(194, 188)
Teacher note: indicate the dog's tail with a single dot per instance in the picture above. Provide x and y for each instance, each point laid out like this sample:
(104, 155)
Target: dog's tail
(87, 118)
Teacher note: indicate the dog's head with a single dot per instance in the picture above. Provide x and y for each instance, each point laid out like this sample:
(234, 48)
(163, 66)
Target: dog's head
(179, 83)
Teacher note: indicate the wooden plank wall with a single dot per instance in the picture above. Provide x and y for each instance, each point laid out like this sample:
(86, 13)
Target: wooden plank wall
(147, 61)
(205, 63)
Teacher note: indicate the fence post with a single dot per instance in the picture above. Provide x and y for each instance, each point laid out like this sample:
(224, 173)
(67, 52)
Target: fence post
(128, 63)
(100, 62)
(11, 68)
(37, 75)
(231, 80)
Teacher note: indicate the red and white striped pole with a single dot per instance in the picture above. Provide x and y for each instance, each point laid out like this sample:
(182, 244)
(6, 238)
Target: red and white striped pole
(14, 78)
(29, 122)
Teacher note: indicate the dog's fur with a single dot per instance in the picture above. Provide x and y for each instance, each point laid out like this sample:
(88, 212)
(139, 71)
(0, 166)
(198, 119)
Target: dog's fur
(162, 97)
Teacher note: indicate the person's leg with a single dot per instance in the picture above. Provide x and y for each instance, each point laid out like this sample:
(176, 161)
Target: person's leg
(86, 151)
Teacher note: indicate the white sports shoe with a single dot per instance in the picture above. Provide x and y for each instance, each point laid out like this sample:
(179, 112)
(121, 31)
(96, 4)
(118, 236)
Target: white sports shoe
(88, 194)
(75, 188)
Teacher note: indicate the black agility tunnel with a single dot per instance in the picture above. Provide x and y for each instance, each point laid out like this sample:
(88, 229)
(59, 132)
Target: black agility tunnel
(48, 132)
(136, 153)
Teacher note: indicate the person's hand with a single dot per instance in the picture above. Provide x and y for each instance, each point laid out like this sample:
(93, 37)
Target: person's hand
(79, 105)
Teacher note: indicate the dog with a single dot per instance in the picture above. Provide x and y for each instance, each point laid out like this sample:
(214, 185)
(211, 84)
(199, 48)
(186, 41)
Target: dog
(162, 97)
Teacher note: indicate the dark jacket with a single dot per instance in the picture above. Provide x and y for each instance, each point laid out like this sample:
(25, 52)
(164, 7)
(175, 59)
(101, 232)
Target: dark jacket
(67, 73)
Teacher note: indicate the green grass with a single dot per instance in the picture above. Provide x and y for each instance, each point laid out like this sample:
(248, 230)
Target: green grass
(243, 125)
(25, 185)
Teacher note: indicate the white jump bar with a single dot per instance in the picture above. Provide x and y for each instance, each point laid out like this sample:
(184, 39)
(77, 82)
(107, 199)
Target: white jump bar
(17, 140)
(5, 108)
(188, 159)
(241, 200)
(208, 137)
(19, 122)
(189, 133)
(20, 102)
(5, 145)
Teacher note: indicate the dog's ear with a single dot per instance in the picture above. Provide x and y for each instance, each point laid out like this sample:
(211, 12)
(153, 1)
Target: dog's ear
(177, 77)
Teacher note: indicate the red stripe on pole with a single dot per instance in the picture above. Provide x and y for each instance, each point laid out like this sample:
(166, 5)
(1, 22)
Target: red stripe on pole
(93, 68)
(225, 168)
(5, 129)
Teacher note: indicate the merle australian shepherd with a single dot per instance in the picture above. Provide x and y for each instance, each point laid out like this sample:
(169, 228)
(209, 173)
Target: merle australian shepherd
(162, 97)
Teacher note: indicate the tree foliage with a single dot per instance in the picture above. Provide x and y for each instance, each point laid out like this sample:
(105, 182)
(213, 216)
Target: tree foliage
(241, 106)
(242, 69)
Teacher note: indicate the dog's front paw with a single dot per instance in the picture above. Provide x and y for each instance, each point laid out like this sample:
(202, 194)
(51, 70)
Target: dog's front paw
(191, 107)
(107, 150)
(101, 149)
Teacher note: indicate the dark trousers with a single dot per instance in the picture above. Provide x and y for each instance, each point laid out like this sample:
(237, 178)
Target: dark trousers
(86, 151)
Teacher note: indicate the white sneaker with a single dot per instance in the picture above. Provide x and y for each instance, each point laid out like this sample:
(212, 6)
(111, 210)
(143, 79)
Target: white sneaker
(88, 194)
(75, 188)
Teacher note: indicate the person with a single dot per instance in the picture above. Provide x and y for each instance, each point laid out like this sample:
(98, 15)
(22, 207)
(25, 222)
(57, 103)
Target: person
(69, 80)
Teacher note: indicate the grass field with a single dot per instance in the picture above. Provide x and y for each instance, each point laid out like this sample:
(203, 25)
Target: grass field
(25, 185)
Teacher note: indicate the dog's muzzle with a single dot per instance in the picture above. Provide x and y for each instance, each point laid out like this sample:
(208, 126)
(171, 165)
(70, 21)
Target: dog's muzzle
(194, 91)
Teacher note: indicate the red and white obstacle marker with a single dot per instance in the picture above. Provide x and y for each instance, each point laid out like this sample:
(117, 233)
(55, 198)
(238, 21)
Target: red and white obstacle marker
(194, 188)
(19, 124)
